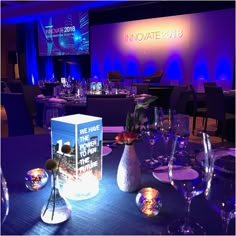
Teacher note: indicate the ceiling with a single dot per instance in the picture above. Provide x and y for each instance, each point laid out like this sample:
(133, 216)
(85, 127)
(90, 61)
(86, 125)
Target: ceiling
(13, 12)
(22, 11)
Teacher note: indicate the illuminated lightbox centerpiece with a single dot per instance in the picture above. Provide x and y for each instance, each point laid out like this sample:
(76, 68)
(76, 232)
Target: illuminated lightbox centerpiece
(81, 170)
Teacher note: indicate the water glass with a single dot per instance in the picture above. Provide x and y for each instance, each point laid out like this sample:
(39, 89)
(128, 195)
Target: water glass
(190, 177)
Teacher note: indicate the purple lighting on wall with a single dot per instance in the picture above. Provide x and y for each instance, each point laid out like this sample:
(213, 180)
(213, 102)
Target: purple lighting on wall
(174, 67)
(195, 55)
(201, 69)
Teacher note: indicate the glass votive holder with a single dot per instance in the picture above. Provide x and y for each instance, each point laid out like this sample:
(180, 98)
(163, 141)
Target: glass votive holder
(36, 179)
(148, 201)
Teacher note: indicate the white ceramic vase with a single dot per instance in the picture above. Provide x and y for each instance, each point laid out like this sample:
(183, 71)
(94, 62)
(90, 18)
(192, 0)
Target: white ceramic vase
(129, 172)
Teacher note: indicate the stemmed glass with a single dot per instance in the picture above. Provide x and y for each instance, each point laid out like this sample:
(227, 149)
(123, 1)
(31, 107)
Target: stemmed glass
(181, 129)
(151, 134)
(221, 196)
(190, 177)
(165, 125)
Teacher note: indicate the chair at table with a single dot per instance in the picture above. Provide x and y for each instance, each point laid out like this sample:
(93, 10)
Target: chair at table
(115, 79)
(114, 76)
(15, 86)
(209, 84)
(154, 78)
(112, 110)
(142, 88)
(4, 87)
(30, 92)
(215, 104)
(197, 111)
(177, 101)
(18, 116)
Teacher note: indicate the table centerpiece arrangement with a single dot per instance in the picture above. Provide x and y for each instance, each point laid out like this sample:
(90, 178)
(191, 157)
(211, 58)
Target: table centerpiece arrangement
(57, 209)
(129, 171)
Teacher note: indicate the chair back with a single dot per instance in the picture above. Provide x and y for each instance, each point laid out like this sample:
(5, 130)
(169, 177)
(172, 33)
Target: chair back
(30, 92)
(15, 86)
(209, 84)
(176, 100)
(4, 87)
(215, 102)
(154, 78)
(18, 116)
(112, 110)
(114, 76)
(142, 88)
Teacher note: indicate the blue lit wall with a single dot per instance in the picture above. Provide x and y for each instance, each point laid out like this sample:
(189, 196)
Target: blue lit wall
(191, 49)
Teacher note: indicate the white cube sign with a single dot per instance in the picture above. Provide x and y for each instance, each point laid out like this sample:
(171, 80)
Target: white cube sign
(81, 170)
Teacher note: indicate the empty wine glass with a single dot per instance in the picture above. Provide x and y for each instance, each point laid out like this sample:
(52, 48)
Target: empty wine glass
(221, 196)
(151, 134)
(165, 125)
(190, 177)
(181, 129)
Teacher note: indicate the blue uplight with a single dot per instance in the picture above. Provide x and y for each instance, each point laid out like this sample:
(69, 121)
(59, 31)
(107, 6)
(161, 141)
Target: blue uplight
(224, 70)
(174, 68)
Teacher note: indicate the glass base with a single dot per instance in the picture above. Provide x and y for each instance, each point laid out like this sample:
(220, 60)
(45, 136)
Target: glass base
(178, 227)
(56, 210)
(150, 164)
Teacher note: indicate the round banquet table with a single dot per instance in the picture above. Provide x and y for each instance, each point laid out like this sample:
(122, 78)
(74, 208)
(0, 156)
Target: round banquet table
(111, 211)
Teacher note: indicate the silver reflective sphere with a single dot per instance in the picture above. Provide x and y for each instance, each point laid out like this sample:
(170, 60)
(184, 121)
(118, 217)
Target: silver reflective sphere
(36, 179)
(148, 201)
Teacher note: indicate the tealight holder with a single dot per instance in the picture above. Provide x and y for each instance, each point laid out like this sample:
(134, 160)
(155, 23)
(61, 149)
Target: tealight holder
(36, 179)
(148, 201)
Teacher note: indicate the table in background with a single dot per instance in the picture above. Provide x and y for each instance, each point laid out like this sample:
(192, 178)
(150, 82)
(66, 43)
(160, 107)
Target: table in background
(70, 107)
(110, 212)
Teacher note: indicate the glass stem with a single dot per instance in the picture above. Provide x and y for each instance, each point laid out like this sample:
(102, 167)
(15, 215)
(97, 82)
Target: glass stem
(166, 140)
(187, 211)
(225, 216)
(151, 151)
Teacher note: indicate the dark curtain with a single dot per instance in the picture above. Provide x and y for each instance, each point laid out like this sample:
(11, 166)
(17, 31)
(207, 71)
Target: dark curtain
(27, 52)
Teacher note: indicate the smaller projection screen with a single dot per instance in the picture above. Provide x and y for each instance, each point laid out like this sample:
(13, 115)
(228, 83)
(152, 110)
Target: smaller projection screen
(64, 34)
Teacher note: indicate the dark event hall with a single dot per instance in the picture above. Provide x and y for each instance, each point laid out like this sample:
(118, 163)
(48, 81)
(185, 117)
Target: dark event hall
(118, 117)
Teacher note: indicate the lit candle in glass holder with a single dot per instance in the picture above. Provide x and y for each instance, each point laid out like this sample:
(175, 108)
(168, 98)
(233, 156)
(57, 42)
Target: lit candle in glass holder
(36, 179)
(148, 201)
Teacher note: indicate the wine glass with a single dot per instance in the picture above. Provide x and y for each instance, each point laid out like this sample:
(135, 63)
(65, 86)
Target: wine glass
(190, 177)
(181, 129)
(221, 194)
(151, 134)
(165, 126)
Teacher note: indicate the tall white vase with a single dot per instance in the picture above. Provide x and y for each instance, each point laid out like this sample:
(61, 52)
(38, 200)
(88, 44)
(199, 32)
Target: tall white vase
(129, 172)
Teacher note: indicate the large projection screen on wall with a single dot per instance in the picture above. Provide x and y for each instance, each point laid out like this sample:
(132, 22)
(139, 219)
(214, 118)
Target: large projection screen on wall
(64, 34)
(191, 48)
